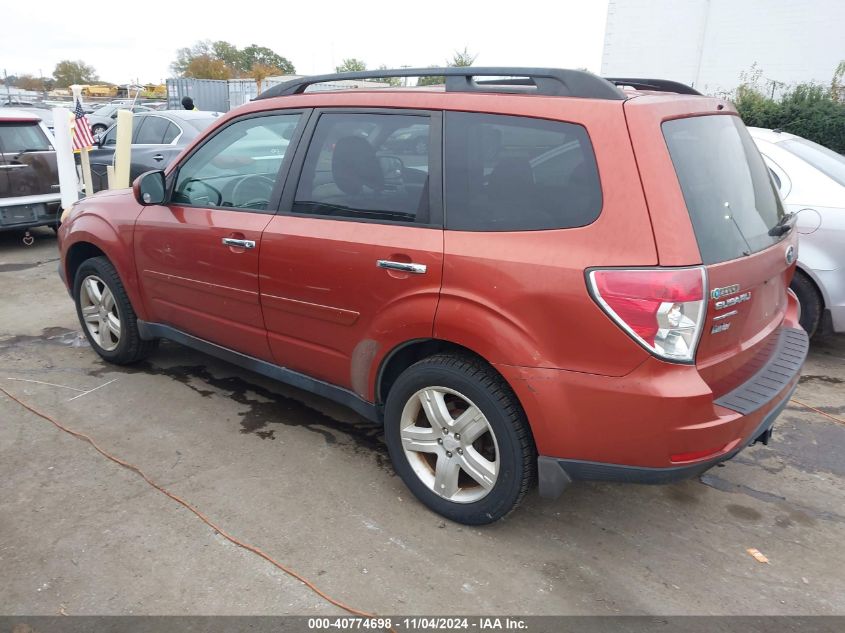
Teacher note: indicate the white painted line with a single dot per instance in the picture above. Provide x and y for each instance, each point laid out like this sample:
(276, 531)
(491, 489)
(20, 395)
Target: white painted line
(92, 390)
(49, 384)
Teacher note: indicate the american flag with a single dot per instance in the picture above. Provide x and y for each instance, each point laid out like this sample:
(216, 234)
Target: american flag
(82, 138)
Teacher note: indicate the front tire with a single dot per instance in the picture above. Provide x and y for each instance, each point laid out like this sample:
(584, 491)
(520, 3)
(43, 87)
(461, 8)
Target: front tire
(458, 438)
(810, 300)
(98, 129)
(106, 315)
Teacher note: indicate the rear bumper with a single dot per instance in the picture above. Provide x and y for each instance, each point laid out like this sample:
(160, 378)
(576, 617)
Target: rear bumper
(659, 423)
(27, 212)
(556, 474)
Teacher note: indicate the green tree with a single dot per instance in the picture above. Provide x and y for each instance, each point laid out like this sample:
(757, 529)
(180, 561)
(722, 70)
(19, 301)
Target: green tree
(228, 54)
(462, 58)
(263, 56)
(393, 81)
(68, 73)
(351, 65)
(837, 87)
(459, 58)
(211, 57)
(813, 111)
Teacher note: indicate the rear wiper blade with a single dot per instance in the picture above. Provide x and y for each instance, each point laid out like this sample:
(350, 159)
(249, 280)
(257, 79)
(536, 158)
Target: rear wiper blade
(785, 225)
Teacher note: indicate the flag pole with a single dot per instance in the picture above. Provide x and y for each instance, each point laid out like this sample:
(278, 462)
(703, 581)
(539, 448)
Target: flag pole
(83, 153)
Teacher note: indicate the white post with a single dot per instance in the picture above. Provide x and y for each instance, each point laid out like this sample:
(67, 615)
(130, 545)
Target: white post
(123, 149)
(68, 181)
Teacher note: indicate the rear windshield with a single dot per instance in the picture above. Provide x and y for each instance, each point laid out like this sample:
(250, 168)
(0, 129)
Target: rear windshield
(825, 160)
(730, 197)
(22, 136)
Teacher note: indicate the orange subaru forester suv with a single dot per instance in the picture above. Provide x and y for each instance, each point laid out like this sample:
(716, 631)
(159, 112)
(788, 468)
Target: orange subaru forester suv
(528, 275)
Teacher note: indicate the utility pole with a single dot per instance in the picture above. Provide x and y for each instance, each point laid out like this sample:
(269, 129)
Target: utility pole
(8, 89)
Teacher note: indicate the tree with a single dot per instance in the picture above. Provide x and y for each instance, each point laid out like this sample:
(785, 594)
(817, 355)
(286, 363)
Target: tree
(185, 55)
(68, 73)
(260, 72)
(462, 58)
(263, 56)
(228, 54)
(30, 82)
(214, 56)
(837, 88)
(351, 65)
(459, 58)
(206, 67)
(393, 81)
(810, 110)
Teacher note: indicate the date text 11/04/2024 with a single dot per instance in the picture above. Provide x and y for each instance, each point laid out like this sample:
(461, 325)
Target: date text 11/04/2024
(422, 623)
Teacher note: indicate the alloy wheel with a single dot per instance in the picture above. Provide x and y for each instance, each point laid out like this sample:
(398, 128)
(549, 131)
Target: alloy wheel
(450, 444)
(99, 312)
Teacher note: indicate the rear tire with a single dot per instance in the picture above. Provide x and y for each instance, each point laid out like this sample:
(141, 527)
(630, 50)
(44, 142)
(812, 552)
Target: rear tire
(811, 302)
(479, 477)
(106, 315)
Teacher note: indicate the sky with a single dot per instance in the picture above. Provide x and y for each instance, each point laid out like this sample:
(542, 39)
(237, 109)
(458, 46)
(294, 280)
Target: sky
(137, 41)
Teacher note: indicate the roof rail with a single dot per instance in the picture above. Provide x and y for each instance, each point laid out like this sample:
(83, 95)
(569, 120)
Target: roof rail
(537, 81)
(660, 85)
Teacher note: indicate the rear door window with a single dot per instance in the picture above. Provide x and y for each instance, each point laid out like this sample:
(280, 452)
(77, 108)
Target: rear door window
(731, 199)
(367, 166)
(152, 131)
(507, 173)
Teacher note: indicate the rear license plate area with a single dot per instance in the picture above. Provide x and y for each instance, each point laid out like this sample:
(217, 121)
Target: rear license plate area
(22, 213)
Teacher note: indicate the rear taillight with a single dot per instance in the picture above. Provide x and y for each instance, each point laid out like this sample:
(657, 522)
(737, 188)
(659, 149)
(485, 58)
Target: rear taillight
(663, 309)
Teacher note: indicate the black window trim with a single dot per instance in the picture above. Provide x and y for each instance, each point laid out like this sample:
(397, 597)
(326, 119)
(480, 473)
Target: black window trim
(281, 175)
(435, 166)
(595, 158)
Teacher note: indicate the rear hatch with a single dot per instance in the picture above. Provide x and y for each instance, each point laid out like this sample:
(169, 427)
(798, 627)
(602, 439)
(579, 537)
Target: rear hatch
(27, 160)
(738, 222)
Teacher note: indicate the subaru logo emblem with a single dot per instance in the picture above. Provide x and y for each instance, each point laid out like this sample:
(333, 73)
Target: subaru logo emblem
(790, 255)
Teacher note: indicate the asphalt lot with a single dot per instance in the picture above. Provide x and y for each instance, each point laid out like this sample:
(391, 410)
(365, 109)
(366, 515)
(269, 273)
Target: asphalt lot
(311, 484)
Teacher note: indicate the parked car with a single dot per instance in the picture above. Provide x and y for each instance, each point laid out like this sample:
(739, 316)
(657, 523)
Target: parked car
(811, 180)
(543, 294)
(102, 118)
(29, 178)
(157, 138)
(40, 110)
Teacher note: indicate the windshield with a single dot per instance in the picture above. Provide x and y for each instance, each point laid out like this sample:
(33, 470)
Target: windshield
(730, 197)
(825, 160)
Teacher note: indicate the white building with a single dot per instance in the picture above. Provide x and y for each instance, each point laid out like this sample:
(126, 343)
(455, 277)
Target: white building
(708, 43)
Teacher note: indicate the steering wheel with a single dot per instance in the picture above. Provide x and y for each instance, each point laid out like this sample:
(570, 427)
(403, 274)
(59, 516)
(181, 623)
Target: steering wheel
(253, 192)
(184, 190)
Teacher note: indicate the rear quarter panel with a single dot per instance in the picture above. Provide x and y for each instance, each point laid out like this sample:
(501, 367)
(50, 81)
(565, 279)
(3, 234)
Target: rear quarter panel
(520, 298)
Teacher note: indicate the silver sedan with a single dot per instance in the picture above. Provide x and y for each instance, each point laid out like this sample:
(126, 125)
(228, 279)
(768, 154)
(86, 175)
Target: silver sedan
(811, 180)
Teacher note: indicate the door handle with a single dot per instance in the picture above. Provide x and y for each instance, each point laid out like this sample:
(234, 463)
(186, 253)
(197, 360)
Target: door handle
(231, 241)
(15, 166)
(158, 157)
(417, 269)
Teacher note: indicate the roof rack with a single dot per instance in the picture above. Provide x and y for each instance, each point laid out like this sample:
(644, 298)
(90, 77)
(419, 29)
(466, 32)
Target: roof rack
(537, 81)
(659, 85)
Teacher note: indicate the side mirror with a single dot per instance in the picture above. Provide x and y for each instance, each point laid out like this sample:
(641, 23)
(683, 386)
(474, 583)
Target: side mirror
(149, 188)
